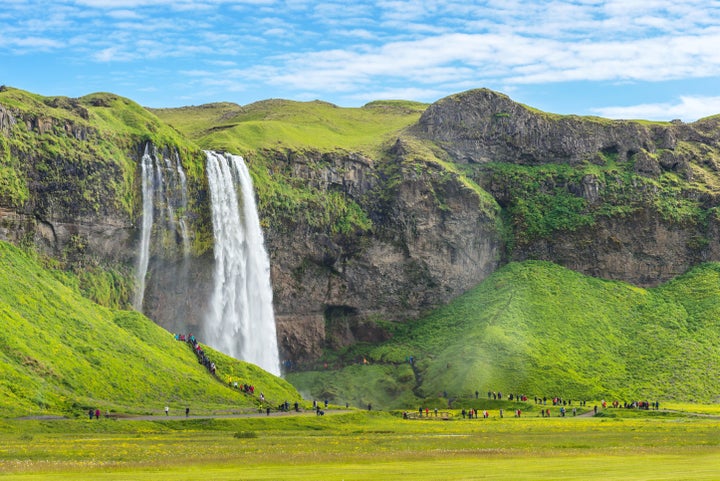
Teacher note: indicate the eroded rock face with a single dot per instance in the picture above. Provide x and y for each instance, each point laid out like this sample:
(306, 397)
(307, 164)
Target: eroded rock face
(421, 252)
(483, 126)
(642, 247)
(638, 249)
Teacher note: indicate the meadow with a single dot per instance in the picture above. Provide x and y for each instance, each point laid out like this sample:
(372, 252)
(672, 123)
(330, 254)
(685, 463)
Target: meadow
(359, 445)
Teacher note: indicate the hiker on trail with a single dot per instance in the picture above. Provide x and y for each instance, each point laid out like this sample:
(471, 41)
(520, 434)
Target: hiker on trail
(91, 412)
(167, 410)
(187, 412)
(97, 414)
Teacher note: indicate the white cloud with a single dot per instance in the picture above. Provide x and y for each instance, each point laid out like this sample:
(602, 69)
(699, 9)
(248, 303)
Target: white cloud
(124, 14)
(24, 44)
(688, 109)
(114, 54)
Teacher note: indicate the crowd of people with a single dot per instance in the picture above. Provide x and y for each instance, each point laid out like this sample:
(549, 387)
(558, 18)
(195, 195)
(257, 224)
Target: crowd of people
(563, 407)
(198, 350)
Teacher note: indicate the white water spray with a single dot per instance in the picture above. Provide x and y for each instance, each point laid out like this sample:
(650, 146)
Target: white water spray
(164, 187)
(146, 229)
(183, 205)
(240, 321)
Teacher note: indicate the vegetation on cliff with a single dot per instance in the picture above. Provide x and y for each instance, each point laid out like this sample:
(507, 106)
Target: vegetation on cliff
(63, 354)
(273, 134)
(81, 152)
(75, 161)
(537, 329)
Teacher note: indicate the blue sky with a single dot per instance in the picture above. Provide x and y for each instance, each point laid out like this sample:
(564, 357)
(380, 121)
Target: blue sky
(652, 59)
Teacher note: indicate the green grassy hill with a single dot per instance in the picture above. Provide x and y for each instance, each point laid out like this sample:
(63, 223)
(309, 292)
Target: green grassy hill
(62, 354)
(538, 329)
(285, 124)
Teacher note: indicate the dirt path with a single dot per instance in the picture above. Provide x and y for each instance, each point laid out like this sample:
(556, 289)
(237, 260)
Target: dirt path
(273, 414)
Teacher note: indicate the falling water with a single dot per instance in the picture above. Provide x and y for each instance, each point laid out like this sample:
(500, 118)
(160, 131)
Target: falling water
(240, 321)
(184, 206)
(146, 230)
(164, 188)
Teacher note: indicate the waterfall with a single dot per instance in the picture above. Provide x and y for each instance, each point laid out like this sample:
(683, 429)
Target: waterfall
(240, 320)
(183, 205)
(146, 229)
(164, 188)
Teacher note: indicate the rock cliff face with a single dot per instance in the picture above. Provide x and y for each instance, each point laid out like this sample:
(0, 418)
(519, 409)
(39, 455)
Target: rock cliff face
(484, 126)
(643, 245)
(431, 240)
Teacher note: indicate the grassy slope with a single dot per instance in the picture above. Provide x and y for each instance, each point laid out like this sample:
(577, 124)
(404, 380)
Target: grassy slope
(60, 353)
(284, 124)
(538, 329)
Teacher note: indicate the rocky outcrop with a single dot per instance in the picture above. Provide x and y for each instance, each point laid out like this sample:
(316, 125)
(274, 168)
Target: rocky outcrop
(641, 243)
(639, 249)
(7, 121)
(483, 126)
(431, 240)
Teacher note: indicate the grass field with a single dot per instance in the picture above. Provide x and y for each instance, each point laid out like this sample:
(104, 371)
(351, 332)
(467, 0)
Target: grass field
(360, 446)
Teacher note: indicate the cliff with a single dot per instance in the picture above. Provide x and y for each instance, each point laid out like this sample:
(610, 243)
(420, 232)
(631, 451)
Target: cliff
(627, 200)
(371, 215)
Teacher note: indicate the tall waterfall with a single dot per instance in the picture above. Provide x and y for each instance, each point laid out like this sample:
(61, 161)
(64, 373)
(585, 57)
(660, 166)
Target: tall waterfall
(240, 320)
(146, 229)
(164, 190)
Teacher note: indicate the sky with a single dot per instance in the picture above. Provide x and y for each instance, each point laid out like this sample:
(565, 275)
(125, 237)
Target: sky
(647, 59)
